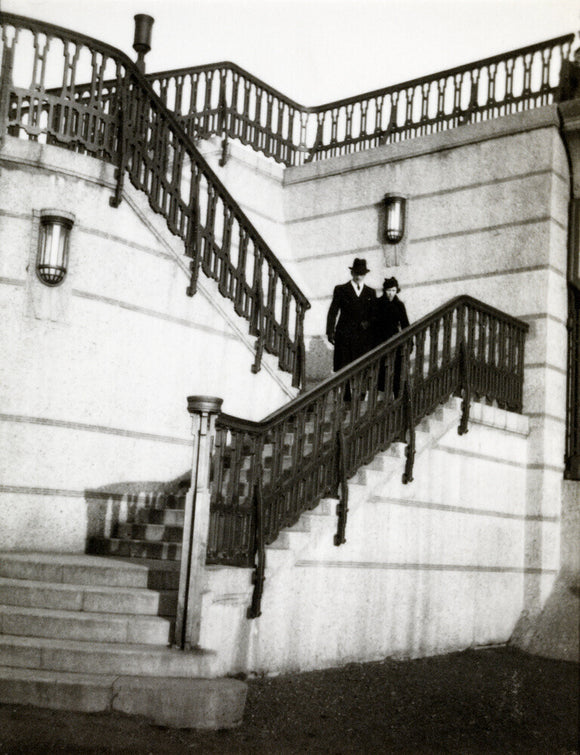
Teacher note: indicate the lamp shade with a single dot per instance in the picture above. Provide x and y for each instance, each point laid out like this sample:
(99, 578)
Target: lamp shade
(395, 218)
(53, 246)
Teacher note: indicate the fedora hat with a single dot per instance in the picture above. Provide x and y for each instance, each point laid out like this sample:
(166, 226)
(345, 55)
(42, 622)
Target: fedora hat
(359, 267)
(391, 283)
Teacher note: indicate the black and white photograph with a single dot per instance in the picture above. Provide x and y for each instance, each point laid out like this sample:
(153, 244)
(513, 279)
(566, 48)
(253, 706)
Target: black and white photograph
(290, 376)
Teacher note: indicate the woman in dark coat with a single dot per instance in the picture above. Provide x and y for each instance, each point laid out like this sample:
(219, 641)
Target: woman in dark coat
(391, 318)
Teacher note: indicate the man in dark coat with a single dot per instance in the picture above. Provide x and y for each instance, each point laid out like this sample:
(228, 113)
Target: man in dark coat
(354, 304)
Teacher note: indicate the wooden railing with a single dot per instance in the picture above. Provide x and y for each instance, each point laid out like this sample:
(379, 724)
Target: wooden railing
(224, 99)
(62, 88)
(266, 474)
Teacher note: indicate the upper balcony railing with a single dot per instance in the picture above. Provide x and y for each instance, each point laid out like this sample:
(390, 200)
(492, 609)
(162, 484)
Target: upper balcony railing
(224, 99)
(59, 87)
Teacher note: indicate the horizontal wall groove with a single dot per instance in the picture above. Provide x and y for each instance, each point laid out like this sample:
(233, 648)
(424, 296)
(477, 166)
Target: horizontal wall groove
(65, 493)
(486, 229)
(101, 429)
(6, 281)
(492, 182)
(152, 313)
(460, 278)
(482, 456)
(454, 509)
(545, 366)
(125, 242)
(396, 566)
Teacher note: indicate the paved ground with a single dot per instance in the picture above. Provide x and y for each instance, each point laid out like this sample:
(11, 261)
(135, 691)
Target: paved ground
(488, 701)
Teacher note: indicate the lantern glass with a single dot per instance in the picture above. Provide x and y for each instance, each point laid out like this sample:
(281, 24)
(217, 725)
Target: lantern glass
(395, 207)
(52, 257)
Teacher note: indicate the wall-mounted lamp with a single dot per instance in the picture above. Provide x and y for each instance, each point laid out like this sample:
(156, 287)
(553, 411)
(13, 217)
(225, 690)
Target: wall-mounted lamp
(395, 218)
(53, 240)
(142, 38)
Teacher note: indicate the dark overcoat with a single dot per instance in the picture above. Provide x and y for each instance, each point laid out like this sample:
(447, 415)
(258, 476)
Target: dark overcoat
(391, 318)
(353, 331)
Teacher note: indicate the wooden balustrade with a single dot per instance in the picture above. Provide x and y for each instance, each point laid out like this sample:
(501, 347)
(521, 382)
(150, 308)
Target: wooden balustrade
(224, 99)
(309, 448)
(75, 92)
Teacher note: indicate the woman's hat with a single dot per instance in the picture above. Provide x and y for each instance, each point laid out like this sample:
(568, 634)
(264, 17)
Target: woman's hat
(391, 283)
(359, 267)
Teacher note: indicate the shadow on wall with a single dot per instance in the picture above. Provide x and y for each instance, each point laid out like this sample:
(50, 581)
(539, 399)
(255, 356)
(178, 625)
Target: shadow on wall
(123, 503)
(318, 360)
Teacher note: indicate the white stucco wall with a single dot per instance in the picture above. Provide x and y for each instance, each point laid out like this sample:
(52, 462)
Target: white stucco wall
(487, 215)
(95, 373)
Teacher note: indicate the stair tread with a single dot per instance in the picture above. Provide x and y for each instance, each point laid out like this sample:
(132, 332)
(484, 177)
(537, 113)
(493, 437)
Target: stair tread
(88, 560)
(72, 587)
(91, 646)
(50, 613)
(17, 672)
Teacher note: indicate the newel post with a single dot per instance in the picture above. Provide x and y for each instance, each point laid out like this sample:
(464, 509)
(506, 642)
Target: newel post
(203, 410)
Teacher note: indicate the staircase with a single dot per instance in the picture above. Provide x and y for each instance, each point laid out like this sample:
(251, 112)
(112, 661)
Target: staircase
(92, 634)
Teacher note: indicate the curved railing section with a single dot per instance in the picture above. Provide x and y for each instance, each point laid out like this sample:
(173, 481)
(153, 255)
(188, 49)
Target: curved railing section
(266, 474)
(59, 87)
(224, 99)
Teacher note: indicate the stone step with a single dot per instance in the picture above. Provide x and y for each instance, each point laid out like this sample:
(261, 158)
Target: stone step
(136, 549)
(167, 517)
(88, 693)
(166, 701)
(76, 625)
(83, 569)
(149, 532)
(51, 654)
(92, 599)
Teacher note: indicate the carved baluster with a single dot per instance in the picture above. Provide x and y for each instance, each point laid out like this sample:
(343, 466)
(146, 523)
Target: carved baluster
(6, 82)
(298, 372)
(239, 298)
(408, 403)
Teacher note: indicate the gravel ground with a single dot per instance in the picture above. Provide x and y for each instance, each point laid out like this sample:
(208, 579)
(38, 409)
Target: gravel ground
(496, 700)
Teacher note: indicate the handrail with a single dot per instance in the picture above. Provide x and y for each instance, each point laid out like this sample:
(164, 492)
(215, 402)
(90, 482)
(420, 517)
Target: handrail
(118, 117)
(226, 100)
(464, 347)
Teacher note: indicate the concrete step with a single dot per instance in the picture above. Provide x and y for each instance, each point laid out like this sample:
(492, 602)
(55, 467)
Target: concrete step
(88, 693)
(51, 654)
(136, 549)
(81, 569)
(175, 702)
(93, 599)
(76, 625)
(167, 517)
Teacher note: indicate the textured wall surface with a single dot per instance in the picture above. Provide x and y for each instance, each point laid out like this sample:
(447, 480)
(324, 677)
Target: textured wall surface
(95, 373)
(430, 567)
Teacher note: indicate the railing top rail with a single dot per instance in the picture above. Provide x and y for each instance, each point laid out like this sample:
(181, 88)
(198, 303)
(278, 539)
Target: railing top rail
(229, 65)
(310, 396)
(537, 46)
(119, 56)
(448, 72)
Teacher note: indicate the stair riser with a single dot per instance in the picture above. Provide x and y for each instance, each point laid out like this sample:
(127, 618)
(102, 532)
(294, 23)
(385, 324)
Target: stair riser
(153, 604)
(134, 549)
(167, 517)
(89, 629)
(109, 575)
(48, 693)
(151, 532)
